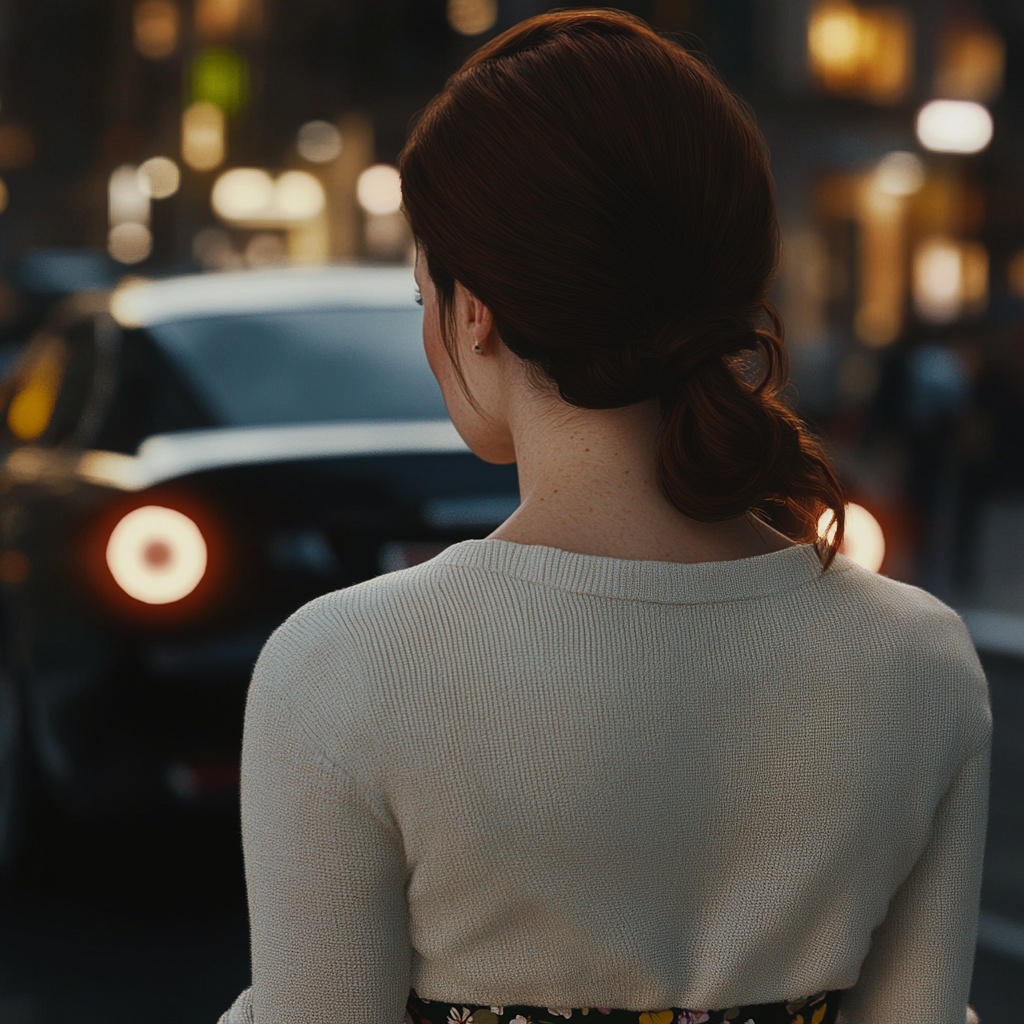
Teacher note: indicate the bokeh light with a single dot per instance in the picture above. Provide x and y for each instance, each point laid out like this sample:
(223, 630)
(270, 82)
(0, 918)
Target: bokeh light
(242, 193)
(156, 555)
(971, 63)
(319, 142)
(265, 249)
(249, 195)
(861, 51)
(155, 25)
(3, 195)
(472, 17)
(379, 189)
(954, 126)
(220, 76)
(127, 202)
(159, 177)
(30, 410)
(298, 196)
(202, 136)
(218, 20)
(130, 242)
(17, 147)
(863, 540)
(950, 278)
(900, 173)
(1015, 273)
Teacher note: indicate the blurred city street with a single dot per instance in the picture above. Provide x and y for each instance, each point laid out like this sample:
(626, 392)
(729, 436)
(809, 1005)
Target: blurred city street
(215, 405)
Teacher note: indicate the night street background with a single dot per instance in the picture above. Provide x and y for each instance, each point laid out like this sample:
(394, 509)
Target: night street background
(217, 140)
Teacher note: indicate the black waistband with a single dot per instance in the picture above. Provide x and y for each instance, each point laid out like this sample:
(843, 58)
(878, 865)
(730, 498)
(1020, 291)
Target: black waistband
(818, 1009)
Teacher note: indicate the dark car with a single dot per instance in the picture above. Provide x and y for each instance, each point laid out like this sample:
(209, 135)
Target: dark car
(185, 463)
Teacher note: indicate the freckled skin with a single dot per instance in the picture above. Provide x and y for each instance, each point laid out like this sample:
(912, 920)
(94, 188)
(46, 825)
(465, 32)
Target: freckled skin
(576, 466)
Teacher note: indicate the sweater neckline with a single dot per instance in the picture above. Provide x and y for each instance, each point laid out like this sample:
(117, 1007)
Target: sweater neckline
(628, 579)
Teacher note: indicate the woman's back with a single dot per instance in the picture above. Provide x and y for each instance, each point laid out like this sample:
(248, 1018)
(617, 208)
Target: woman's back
(602, 782)
(636, 750)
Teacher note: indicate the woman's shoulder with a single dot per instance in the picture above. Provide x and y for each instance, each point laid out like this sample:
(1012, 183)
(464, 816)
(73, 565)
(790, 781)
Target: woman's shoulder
(350, 632)
(905, 633)
(908, 611)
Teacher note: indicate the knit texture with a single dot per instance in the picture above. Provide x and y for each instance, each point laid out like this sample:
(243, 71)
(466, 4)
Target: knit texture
(516, 775)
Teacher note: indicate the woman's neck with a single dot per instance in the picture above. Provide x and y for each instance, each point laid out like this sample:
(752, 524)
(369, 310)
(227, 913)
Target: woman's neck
(588, 484)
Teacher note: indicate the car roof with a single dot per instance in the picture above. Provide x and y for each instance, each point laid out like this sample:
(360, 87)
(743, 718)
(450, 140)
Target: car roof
(198, 296)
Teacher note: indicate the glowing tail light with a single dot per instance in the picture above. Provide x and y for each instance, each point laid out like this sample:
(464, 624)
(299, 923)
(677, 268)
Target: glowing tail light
(863, 540)
(156, 555)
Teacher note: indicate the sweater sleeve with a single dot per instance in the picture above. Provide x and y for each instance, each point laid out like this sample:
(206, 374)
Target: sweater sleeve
(325, 867)
(922, 955)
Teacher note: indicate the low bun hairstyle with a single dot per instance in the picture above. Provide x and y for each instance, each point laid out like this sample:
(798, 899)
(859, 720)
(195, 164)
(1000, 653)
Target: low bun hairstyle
(610, 201)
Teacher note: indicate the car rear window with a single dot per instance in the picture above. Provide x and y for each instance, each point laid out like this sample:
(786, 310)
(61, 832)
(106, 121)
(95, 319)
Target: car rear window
(306, 367)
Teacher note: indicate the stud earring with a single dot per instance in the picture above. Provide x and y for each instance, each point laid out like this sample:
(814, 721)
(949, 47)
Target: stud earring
(477, 349)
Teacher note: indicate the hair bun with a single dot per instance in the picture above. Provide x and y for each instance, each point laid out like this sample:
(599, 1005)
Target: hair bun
(685, 342)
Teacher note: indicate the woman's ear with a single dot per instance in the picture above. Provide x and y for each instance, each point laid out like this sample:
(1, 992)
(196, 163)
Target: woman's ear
(475, 321)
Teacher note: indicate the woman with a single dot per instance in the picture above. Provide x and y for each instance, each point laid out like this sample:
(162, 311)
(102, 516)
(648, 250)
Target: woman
(637, 754)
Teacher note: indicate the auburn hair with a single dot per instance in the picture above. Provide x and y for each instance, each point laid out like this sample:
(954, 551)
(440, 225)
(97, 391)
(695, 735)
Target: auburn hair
(605, 195)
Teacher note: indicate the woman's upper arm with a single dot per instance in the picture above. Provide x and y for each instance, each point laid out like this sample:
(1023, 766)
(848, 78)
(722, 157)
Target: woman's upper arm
(325, 872)
(922, 955)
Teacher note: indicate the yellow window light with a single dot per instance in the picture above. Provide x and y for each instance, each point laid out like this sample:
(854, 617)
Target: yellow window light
(4, 196)
(202, 136)
(31, 409)
(863, 52)
(472, 17)
(863, 539)
(157, 555)
(155, 25)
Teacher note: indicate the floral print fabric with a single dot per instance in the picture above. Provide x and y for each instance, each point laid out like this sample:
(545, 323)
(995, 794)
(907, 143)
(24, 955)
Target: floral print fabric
(818, 1009)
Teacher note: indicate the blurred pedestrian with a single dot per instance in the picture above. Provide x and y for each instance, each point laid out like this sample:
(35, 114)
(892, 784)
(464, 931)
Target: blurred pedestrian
(636, 754)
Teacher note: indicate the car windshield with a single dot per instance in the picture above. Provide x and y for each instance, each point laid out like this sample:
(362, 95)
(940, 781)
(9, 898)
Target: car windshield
(306, 366)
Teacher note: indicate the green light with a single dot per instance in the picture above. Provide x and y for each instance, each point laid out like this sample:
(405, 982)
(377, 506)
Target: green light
(221, 76)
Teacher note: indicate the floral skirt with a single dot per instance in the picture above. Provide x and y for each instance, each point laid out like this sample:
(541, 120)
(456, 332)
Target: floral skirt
(817, 1009)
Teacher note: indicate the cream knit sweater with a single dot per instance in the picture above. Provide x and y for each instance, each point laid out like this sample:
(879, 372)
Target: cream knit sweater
(519, 775)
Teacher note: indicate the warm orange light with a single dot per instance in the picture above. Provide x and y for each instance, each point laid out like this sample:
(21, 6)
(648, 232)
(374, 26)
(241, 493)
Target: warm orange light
(861, 51)
(863, 540)
(17, 147)
(155, 24)
(156, 555)
(219, 20)
(30, 410)
(1015, 273)
(472, 17)
(971, 63)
